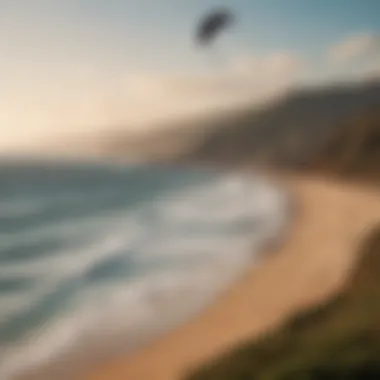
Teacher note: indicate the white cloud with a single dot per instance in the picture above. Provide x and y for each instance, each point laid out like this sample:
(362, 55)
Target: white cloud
(63, 74)
(80, 98)
(281, 63)
(355, 47)
(246, 78)
(371, 71)
(375, 70)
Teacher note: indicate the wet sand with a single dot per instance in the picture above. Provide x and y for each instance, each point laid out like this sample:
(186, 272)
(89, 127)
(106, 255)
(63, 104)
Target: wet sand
(312, 265)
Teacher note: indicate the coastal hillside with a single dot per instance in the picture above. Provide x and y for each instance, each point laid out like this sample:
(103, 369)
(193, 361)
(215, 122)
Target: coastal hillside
(354, 151)
(340, 338)
(297, 131)
(336, 340)
(287, 133)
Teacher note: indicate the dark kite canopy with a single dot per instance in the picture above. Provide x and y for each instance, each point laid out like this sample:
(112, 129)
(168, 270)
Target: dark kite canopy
(212, 24)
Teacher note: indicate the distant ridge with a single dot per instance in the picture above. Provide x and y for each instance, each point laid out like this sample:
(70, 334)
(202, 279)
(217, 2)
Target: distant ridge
(354, 151)
(291, 132)
(294, 132)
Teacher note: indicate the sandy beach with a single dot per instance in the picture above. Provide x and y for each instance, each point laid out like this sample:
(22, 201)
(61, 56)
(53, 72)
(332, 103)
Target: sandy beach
(312, 265)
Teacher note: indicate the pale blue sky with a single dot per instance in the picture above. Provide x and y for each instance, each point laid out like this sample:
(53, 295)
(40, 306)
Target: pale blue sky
(62, 59)
(162, 29)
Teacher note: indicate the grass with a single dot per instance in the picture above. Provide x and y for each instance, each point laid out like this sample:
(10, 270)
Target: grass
(337, 340)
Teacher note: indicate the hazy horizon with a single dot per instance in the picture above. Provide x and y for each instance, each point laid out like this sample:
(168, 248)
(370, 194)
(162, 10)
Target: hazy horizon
(79, 68)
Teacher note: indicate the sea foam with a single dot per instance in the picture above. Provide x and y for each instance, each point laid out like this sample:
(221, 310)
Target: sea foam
(122, 274)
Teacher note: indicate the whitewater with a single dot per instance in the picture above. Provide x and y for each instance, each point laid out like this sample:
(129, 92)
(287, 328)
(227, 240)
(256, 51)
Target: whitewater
(99, 258)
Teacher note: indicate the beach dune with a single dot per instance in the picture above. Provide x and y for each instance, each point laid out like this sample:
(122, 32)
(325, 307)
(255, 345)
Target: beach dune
(312, 265)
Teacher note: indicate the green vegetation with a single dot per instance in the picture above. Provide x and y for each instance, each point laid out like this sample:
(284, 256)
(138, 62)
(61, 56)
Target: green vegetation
(337, 340)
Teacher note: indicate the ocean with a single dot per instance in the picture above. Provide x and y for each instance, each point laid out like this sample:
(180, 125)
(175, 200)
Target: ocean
(97, 258)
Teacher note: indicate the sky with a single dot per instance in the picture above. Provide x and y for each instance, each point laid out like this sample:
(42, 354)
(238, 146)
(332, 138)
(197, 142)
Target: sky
(83, 67)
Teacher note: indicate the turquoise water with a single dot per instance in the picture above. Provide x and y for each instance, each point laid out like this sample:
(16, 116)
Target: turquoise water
(113, 253)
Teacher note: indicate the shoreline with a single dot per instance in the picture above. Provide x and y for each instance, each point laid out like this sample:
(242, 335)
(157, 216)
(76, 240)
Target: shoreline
(103, 344)
(242, 312)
